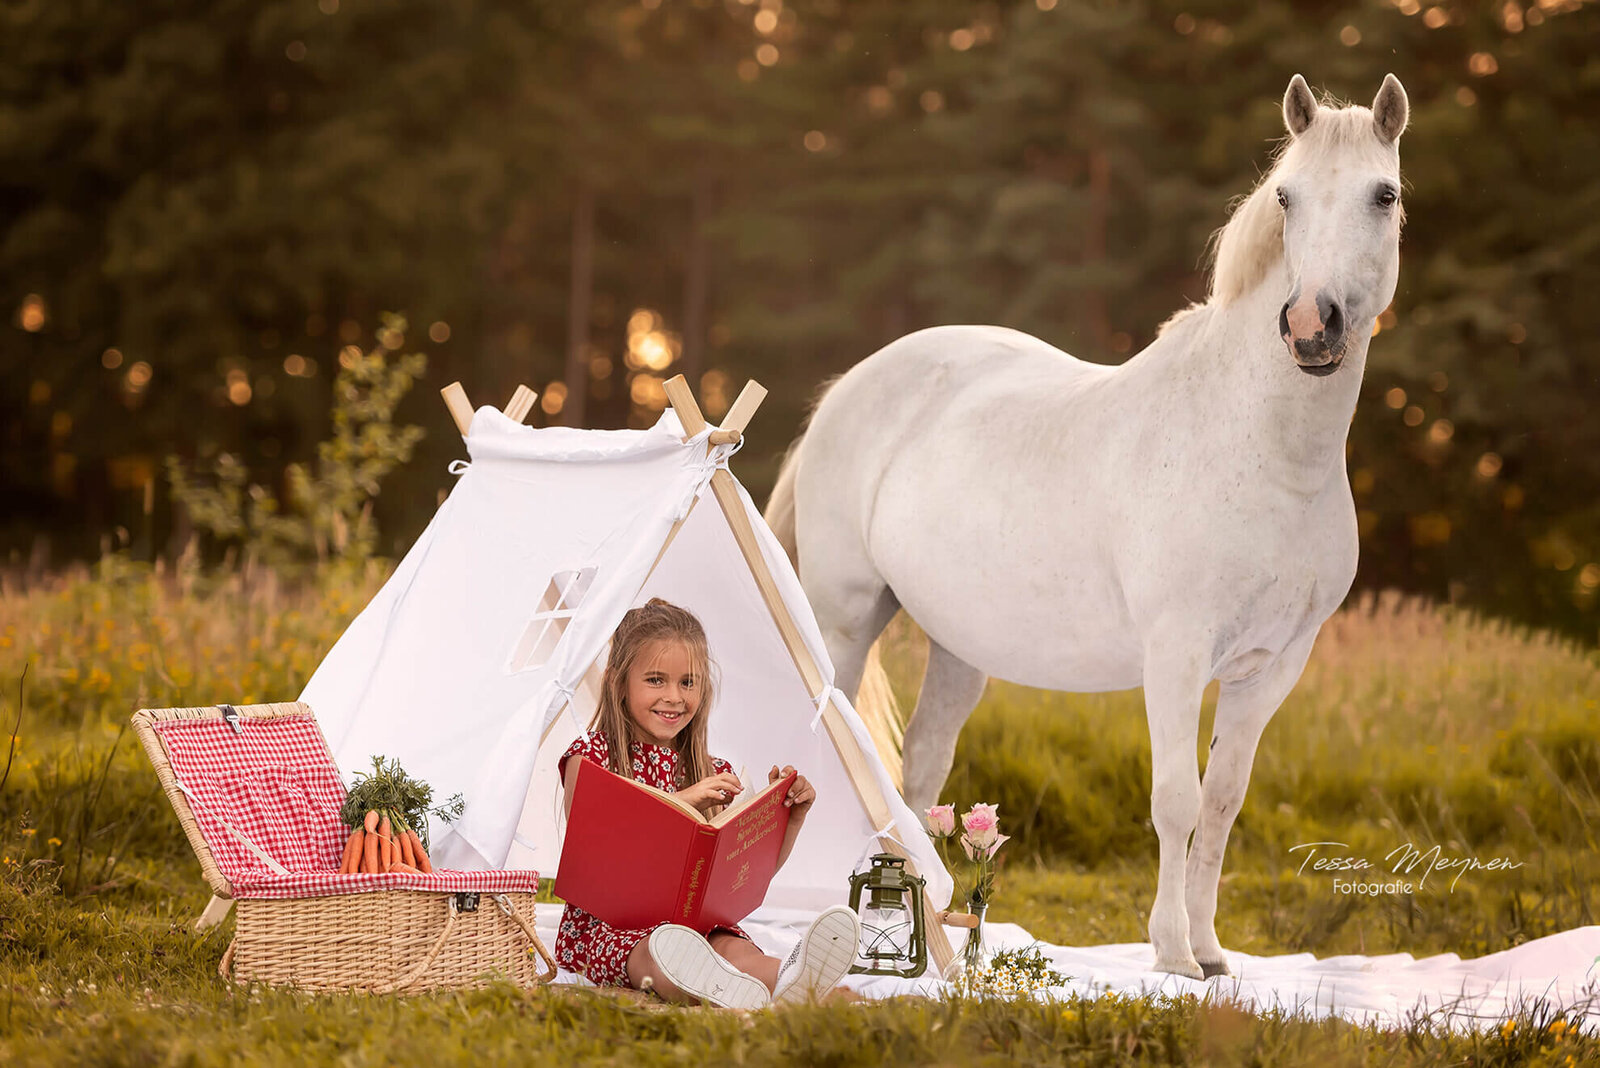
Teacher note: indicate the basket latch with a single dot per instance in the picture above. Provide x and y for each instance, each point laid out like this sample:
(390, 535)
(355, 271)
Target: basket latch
(467, 902)
(230, 716)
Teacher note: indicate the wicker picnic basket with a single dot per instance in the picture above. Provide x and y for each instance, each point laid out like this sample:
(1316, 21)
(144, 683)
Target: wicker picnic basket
(257, 792)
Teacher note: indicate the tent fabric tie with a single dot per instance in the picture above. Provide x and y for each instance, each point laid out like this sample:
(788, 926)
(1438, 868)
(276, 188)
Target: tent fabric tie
(716, 459)
(567, 693)
(458, 467)
(821, 704)
(872, 840)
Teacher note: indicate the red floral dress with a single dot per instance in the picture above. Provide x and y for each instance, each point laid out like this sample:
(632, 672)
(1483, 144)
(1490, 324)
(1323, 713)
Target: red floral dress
(585, 943)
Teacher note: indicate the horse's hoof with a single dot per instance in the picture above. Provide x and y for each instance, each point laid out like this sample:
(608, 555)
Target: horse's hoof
(1190, 968)
(1213, 970)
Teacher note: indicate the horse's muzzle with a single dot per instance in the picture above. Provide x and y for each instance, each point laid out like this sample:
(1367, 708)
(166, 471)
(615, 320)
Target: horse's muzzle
(1318, 351)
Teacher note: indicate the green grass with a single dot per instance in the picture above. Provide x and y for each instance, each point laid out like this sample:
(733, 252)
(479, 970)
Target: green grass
(1411, 724)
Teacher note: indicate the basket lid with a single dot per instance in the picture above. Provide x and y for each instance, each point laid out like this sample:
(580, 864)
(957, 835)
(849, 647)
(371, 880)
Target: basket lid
(254, 786)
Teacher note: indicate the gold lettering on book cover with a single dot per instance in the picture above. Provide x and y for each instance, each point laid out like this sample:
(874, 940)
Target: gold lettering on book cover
(694, 887)
(742, 878)
(753, 830)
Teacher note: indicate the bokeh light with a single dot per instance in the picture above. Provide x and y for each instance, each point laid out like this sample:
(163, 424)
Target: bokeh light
(554, 398)
(32, 313)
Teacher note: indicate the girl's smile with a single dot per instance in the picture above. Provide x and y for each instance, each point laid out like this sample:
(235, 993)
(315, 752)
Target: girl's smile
(663, 693)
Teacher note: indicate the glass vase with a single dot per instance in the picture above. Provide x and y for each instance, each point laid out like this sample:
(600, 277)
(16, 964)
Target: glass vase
(972, 951)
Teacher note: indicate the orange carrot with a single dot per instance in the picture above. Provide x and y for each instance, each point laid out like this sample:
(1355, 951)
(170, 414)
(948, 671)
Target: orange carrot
(369, 853)
(386, 843)
(352, 847)
(407, 857)
(406, 869)
(420, 853)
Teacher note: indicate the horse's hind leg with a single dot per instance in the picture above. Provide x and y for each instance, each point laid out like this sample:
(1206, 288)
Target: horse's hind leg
(950, 691)
(849, 630)
(1243, 712)
(851, 601)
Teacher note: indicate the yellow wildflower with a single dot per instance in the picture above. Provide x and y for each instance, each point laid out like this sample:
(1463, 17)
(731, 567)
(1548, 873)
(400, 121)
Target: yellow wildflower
(1558, 1027)
(29, 832)
(1507, 1027)
(55, 841)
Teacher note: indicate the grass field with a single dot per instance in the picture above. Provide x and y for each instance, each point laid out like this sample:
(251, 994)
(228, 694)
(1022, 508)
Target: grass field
(1411, 724)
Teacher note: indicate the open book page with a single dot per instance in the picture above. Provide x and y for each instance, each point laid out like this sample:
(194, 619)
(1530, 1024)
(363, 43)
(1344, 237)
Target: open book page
(749, 797)
(670, 798)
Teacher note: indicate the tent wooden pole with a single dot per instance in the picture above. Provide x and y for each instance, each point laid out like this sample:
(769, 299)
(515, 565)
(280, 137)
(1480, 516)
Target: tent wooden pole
(844, 741)
(726, 490)
(733, 425)
(455, 398)
(681, 397)
(215, 912)
(520, 404)
(744, 408)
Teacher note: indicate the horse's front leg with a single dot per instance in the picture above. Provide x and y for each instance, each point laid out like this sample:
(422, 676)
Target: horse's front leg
(1243, 711)
(1175, 677)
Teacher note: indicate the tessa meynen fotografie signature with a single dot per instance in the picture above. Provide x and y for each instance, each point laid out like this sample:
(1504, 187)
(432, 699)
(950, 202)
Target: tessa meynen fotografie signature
(1402, 860)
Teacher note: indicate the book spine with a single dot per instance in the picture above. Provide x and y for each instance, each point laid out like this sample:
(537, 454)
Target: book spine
(696, 872)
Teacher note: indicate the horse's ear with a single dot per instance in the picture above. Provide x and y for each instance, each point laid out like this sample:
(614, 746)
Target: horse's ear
(1299, 106)
(1390, 109)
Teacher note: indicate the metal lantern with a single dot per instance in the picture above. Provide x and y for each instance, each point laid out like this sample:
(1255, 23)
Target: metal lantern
(894, 940)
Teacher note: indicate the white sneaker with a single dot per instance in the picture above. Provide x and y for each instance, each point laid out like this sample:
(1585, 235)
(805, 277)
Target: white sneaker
(688, 961)
(821, 958)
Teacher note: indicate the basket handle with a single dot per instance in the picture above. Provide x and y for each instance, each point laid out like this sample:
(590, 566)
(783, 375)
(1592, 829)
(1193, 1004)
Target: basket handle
(408, 980)
(225, 966)
(510, 909)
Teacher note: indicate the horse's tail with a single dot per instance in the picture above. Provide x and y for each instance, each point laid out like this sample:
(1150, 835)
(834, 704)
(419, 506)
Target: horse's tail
(880, 712)
(780, 506)
(874, 701)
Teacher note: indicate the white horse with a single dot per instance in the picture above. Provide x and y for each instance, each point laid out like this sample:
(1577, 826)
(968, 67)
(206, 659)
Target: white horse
(1180, 518)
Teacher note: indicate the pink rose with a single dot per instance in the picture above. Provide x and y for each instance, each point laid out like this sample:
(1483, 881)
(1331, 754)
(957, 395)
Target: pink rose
(976, 852)
(942, 821)
(982, 824)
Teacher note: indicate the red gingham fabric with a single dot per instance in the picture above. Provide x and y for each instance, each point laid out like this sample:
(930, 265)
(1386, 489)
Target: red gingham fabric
(258, 884)
(277, 786)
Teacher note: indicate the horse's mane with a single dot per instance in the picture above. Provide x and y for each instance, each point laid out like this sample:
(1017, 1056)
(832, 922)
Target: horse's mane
(1251, 242)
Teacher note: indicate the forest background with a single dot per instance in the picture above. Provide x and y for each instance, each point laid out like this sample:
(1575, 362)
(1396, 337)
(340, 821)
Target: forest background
(208, 206)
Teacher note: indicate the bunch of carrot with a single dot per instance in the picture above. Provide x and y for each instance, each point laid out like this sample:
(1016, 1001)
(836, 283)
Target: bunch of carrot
(384, 809)
(384, 843)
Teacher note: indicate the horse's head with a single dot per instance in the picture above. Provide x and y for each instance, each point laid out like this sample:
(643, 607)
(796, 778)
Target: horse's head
(1337, 186)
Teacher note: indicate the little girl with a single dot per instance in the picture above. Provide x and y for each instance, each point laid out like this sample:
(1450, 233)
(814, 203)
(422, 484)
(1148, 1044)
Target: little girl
(651, 726)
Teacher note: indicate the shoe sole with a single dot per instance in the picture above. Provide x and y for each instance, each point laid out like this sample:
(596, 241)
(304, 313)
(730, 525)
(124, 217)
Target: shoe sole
(827, 951)
(691, 965)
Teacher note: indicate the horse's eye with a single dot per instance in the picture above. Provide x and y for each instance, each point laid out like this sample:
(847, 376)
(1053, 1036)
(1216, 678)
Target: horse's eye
(1386, 198)
(1283, 199)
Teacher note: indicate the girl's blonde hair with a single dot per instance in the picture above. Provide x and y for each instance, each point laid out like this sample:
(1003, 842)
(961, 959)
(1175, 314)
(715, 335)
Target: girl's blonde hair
(654, 621)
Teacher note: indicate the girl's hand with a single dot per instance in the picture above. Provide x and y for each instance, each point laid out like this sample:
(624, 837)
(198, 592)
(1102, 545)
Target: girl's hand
(801, 794)
(711, 791)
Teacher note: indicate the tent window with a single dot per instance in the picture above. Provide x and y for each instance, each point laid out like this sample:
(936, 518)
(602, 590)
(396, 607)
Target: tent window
(556, 608)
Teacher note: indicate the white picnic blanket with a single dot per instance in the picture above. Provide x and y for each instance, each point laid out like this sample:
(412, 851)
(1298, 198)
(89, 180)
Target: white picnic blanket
(1561, 970)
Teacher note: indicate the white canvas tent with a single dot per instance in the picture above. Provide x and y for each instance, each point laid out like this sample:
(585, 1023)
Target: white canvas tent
(476, 663)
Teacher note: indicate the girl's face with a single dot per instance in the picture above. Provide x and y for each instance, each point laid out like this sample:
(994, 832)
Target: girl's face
(663, 694)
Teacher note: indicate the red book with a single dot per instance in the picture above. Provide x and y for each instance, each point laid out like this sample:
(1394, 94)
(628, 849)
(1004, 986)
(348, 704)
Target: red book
(636, 856)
